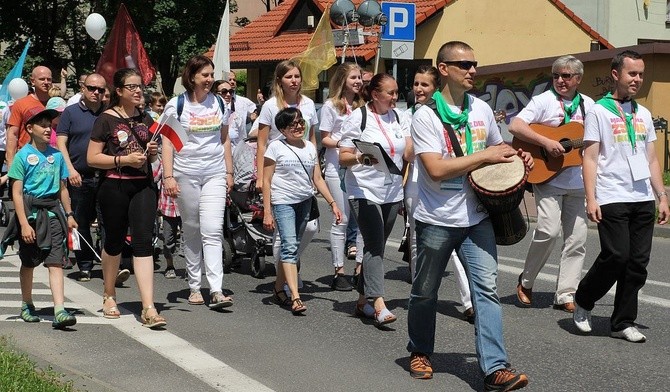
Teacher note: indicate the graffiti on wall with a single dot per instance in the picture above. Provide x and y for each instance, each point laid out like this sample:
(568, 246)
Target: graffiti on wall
(602, 85)
(511, 96)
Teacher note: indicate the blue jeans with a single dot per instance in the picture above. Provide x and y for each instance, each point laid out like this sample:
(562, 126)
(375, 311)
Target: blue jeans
(291, 220)
(83, 199)
(476, 248)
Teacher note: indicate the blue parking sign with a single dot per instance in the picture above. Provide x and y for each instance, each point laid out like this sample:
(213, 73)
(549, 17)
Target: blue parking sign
(401, 24)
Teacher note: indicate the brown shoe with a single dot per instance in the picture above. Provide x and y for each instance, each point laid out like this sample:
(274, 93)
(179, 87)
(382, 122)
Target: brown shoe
(566, 307)
(469, 315)
(523, 294)
(505, 380)
(420, 367)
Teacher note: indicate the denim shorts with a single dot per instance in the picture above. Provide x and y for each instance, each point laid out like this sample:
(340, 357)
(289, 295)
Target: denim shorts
(291, 220)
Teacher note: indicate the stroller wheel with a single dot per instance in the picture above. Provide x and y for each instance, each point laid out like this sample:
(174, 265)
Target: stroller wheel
(257, 265)
(228, 256)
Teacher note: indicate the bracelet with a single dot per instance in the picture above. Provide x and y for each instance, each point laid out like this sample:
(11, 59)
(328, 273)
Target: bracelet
(166, 177)
(337, 145)
(331, 203)
(663, 193)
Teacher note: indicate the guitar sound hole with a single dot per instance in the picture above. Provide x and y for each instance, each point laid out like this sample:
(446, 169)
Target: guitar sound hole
(567, 145)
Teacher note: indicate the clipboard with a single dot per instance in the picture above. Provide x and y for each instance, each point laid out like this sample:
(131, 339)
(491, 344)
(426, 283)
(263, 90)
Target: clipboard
(384, 162)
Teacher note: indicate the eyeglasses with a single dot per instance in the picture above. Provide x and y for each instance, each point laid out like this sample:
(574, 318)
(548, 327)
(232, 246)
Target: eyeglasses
(564, 76)
(92, 89)
(462, 64)
(297, 124)
(225, 91)
(133, 87)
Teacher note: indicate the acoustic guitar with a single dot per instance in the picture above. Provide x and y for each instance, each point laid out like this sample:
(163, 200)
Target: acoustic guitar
(571, 137)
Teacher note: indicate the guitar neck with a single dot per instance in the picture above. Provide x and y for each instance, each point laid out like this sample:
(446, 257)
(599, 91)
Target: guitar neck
(572, 143)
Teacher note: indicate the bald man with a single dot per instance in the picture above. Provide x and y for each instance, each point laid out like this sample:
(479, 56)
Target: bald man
(17, 136)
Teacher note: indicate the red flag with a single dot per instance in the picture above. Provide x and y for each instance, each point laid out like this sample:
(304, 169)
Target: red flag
(124, 49)
(170, 127)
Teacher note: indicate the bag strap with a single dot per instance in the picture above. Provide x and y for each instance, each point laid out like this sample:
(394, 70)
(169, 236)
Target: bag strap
(455, 144)
(364, 118)
(180, 104)
(300, 160)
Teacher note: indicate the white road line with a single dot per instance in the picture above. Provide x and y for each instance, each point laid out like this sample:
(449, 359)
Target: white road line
(10, 279)
(17, 291)
(49, 319)
(663, 302)
(210, 370)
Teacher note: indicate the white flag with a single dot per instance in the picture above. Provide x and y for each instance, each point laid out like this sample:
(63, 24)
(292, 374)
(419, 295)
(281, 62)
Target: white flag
(222, 49)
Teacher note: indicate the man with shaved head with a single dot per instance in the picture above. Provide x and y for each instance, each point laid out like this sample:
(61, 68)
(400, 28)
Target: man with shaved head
(17, 136)
(74, 133)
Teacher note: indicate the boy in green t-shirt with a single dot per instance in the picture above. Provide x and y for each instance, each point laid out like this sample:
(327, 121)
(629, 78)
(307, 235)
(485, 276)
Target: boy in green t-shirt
(39, 174)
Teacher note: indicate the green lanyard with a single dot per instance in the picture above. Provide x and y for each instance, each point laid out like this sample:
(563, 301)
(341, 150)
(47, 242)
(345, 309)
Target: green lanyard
(612, 105)
(569, 110)
(459, 121)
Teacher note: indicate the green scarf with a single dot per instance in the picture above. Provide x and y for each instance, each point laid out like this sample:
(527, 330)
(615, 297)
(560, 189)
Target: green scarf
(609, 103)
(458, 121)
(569, 110)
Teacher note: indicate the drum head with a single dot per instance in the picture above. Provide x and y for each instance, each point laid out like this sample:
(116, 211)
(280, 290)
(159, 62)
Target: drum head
(499, 177)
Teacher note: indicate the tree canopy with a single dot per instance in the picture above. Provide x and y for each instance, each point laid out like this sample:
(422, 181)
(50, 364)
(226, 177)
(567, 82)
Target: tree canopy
(172, 31)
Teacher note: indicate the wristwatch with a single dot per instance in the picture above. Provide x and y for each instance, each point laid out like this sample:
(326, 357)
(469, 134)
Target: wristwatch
(68, 214)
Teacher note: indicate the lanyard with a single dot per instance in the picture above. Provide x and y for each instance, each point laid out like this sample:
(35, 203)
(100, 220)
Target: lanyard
(388, 139)
(628, 119)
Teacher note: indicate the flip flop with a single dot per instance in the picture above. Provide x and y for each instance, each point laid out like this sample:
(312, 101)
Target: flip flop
(383, 317)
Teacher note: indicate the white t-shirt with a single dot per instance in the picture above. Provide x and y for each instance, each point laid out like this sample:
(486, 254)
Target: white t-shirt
(237, 125)
(290, 183)
(614, 181)
(4, 117)
(331, 121)
(203, 152)
(451, 203)
(74, 99)
(366, 182)
(546, 109)
(244, 106)
(270, 110)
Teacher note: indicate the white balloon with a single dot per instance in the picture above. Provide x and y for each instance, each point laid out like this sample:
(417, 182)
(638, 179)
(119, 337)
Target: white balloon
(17, 88)
(96, 26)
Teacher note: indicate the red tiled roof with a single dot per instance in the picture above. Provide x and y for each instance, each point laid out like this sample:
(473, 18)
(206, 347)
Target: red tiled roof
(580, 22)
(260, 41)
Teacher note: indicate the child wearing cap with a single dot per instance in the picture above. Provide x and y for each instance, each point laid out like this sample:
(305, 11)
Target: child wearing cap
(39, 174)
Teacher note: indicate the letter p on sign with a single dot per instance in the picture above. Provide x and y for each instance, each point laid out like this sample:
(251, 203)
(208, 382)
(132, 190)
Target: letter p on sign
(401, 24)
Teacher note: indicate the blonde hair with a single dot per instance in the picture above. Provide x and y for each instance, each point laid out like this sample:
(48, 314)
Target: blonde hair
(54, 91)
(280, 70)
(337, 88)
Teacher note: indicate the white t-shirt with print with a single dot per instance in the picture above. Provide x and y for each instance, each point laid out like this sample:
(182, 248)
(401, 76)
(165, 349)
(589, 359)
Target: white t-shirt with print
(331, 121)
(366, 182)
(203, 152)
(546, 109)
(237, 126)
(290, 183)
(614, 180)
(450, 203)
(270, 110)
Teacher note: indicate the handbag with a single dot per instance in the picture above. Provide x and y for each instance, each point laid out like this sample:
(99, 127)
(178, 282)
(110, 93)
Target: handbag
(314, 208)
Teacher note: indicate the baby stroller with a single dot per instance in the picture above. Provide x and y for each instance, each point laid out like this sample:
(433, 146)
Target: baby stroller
(243, 220)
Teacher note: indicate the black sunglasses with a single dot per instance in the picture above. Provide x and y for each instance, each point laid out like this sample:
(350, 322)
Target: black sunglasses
(92, 89)
(564, 76)
(225, 91)
(462, 64)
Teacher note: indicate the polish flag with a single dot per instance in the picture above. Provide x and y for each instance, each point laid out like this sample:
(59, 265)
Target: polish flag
(170, 127)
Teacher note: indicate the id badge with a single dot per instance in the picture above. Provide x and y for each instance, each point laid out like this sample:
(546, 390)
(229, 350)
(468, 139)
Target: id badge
(639, 167)
(455, 183)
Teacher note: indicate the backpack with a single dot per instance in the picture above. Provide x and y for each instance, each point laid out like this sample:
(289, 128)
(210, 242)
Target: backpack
(364, 119)
(180, 104)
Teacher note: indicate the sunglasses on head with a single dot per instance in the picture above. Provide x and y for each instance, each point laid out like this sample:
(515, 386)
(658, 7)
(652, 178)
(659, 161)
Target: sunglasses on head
(225, 91)
(92, 89)
(462, 64)
(564, 76)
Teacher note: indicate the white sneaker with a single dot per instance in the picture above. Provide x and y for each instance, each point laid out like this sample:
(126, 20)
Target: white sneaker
(582, 319)
(631, 334)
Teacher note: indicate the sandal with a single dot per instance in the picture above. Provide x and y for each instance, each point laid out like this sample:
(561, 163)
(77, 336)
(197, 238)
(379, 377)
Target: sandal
(383, 317)
(364, 311)
(152, 322)
(281, 298)
(298, 307)
(111, 312)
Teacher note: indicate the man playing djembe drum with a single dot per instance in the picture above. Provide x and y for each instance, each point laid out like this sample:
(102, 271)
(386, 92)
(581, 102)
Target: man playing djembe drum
(559, 201)
(448, 216)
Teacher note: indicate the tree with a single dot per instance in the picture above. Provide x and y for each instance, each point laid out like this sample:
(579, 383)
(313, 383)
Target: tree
(171, 31)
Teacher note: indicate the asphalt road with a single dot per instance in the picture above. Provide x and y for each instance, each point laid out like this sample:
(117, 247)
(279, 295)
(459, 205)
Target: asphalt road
(257, 345)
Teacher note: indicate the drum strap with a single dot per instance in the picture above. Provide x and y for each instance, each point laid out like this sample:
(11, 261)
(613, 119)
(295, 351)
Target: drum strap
(455, 144)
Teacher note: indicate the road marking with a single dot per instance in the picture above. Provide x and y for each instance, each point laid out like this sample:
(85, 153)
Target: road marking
(10, 279)
(17, 291)
(200, 364)
(48, 319)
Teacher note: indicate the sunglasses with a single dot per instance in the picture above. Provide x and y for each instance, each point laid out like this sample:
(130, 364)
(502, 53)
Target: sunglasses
(297, 124)
(225, 91)
(564, 76)
(93, 89)
(133, 87)
(462, 64)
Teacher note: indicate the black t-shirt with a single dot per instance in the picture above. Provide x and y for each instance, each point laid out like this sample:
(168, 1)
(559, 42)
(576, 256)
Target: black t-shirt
(120, 139)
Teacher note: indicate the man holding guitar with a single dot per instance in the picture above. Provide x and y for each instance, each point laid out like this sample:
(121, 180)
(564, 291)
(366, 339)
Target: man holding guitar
(560, 200)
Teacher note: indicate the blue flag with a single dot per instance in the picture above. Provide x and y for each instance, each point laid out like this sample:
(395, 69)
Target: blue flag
(16, 72)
